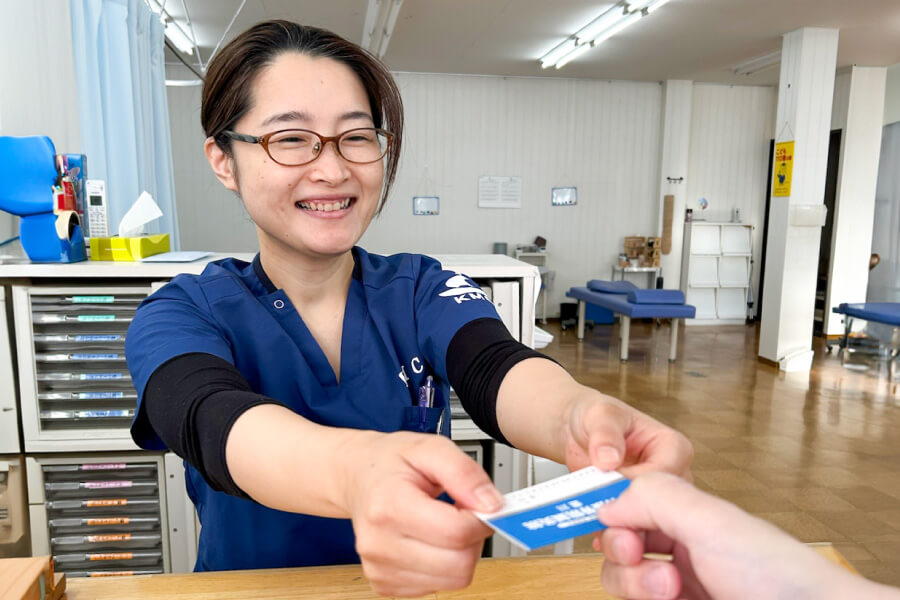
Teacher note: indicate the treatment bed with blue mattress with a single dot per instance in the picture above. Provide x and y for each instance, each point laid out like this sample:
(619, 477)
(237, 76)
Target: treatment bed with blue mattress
(887, 313)
(628, 301)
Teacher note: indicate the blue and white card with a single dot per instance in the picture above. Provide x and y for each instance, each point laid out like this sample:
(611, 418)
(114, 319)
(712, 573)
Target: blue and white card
(556, 510)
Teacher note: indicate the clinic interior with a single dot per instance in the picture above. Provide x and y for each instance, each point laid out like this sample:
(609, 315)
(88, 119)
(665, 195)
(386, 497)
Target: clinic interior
(650, 159)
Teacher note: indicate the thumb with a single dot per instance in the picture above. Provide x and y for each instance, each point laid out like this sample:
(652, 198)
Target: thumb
(639, 507)
(448, 467)
(601, 432)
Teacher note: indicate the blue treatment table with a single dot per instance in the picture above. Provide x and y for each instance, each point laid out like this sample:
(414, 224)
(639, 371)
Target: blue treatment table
(619, 305)
(887, 313)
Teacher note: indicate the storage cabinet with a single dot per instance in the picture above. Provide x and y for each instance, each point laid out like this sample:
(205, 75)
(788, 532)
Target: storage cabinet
(74, 383)
(104, 515)
(9, 417)
(715, 271)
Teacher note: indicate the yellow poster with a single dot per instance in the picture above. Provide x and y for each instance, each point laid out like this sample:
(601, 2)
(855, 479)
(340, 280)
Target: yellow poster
(784, 166)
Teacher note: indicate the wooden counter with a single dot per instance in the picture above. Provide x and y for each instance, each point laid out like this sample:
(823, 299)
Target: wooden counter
(574, 576)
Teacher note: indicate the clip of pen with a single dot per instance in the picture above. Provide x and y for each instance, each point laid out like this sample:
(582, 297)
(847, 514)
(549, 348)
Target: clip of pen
(426, 393)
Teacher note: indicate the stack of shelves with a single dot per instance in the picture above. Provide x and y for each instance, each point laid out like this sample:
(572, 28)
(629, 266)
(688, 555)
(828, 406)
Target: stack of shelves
(715, 271)
(103, 519)
(73, 363)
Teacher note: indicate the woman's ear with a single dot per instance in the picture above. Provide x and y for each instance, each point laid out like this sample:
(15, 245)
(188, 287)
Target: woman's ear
(221, 163)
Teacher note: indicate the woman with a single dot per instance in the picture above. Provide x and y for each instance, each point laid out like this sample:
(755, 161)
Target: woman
(290, 385)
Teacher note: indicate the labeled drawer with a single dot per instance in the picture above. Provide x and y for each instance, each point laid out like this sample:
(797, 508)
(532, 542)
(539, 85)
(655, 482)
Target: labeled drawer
(73, 377)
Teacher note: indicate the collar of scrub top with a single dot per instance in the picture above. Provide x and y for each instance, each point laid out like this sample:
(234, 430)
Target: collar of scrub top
(270, 287)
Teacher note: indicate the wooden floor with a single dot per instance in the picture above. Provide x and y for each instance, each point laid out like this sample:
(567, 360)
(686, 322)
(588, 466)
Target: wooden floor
(817, 453)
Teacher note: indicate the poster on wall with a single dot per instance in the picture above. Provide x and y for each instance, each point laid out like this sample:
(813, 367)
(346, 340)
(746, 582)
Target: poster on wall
(784, 167)
(499, 192)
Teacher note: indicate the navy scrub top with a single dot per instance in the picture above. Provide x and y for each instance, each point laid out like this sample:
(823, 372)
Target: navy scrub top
(402, 311)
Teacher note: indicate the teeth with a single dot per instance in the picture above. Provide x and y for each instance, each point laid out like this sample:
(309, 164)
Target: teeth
(326, 206)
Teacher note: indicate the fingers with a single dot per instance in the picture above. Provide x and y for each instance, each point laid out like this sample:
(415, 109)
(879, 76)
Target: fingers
(444, 524)
(639, 507)
(445, 465)
(648, 580)
(627, 547)
(405, 566)
(602, 430)
(656, 447)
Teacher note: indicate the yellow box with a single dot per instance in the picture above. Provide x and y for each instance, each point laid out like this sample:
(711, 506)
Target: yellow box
(128, 248)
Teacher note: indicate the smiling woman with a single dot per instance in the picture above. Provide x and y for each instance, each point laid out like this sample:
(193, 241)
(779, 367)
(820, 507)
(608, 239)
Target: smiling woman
(284, 382)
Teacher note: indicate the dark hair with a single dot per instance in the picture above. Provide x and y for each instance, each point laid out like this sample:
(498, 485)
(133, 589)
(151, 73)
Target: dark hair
(231, 72)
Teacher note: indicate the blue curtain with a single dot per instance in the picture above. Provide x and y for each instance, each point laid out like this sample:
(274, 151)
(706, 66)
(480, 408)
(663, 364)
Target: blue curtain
(120, 74)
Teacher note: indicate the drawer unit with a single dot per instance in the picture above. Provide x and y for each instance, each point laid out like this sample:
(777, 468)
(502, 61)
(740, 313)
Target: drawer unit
(100, 518)
(76, 392)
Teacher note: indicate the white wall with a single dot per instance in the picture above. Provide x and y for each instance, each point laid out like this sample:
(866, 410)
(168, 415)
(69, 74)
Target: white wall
(855, 198)
(731, 127)
(892, 95)
(602, 137)
(599, 136)
(37, 79)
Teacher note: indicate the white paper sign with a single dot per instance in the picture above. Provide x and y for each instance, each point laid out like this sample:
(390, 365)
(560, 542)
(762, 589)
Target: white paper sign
(499, 192)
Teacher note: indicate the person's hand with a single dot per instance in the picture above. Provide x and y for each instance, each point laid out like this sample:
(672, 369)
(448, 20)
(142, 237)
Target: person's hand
(718, 551)
(410, 543)
(607, 433)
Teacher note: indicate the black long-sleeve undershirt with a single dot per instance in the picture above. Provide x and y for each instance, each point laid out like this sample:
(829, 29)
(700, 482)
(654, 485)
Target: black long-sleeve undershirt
(193, 400)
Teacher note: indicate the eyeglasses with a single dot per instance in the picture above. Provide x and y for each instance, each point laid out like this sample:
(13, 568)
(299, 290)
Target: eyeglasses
(295, 147)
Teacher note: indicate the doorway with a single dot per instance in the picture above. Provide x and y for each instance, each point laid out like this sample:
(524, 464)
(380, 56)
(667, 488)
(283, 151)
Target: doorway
(831, 176)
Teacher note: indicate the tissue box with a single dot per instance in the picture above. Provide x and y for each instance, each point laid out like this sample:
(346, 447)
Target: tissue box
(128, 248)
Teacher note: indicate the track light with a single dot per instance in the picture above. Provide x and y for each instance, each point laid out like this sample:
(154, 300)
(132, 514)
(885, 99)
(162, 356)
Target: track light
(610, 22)
(760, 63)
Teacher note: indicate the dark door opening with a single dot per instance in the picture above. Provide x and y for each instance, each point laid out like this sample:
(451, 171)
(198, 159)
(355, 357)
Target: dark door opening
(831, 176)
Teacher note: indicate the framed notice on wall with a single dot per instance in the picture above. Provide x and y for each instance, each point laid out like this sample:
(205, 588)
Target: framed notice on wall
(499, 192)
(784, 168)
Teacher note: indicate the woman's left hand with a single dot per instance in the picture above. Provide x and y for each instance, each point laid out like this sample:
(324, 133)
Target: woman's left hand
(605, 432)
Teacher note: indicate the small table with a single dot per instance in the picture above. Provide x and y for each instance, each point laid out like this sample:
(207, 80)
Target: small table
(653, 273)
(572, 576)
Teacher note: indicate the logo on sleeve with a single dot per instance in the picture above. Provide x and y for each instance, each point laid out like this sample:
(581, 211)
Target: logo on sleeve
(461, 289)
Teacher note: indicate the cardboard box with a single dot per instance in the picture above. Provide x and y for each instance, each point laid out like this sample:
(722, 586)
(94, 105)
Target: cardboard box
(634, 246)
(128, 248)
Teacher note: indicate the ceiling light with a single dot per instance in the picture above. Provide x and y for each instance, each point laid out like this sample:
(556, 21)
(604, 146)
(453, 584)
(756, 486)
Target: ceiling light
(578, 51)
(610, 22)
(760, 63)
(550, 59)
(601, 24)
(179, 38)
(654, 5)
(183, 82)
(608, 33)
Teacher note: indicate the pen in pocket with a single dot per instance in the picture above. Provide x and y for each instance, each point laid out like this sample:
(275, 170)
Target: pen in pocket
(426, 393)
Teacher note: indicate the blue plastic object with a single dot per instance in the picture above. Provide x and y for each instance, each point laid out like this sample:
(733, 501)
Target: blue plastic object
(27, 173)
(599, 315)
(42, 242)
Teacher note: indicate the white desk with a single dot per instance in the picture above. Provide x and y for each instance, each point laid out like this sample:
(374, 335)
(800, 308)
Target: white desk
(652, 272)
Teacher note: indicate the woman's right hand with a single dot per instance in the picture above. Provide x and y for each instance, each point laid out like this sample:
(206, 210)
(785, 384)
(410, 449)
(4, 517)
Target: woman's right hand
(410, 543)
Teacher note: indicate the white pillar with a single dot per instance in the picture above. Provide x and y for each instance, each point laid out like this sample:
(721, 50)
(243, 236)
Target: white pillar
(854, 206)
(37, 79)
(675, 146)
(806, 86)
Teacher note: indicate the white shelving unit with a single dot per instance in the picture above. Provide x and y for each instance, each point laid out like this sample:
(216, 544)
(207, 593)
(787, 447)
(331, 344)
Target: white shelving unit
(538, 259)
(715, 271)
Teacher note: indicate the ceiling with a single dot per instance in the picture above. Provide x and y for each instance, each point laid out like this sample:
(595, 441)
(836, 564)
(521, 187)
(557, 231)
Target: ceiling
(698, 40)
